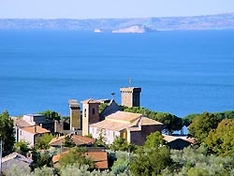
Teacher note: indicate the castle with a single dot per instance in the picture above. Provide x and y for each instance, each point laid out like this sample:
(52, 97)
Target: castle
(111, 121)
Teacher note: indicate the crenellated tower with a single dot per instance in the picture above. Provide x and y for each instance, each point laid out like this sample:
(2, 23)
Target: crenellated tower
(130, 96)
(75, 115)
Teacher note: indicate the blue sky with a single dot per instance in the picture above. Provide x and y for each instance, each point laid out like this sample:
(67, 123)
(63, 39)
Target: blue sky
(87, 9)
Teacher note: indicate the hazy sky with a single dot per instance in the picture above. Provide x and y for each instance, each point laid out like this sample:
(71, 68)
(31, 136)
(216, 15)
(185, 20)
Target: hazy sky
(111, 8)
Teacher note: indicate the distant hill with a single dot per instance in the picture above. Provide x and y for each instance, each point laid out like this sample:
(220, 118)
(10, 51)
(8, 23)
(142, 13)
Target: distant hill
(214, 22)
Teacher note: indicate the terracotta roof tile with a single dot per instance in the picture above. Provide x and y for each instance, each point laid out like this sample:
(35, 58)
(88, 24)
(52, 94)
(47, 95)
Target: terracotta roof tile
(20, 122)
(35, 129)
(121, 120)
(148, 121)
(111, 125)
(99, 157)
(88, 101)
(168, 138)
(77, 139)
(127, 117)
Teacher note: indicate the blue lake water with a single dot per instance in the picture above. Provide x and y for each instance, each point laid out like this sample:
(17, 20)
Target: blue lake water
(180, 72)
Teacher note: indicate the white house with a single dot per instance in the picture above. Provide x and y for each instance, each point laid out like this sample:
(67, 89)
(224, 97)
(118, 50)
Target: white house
(31, 133)
(29, 127)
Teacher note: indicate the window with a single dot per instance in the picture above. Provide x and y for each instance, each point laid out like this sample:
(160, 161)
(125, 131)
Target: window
(85, 113)
(20, 132)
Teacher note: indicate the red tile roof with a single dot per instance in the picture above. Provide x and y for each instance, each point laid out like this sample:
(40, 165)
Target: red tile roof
(35, 129)
(99, 157)
(77, 139)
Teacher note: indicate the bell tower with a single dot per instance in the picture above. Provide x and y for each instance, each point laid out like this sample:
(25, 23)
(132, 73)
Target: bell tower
(90, 114)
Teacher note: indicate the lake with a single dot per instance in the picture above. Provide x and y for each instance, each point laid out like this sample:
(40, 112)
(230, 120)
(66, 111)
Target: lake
(181, 72)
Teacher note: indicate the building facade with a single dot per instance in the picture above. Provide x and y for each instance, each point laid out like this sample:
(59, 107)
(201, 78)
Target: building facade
(90, 114)
(75, 115)
(130, 96)
(133, 127)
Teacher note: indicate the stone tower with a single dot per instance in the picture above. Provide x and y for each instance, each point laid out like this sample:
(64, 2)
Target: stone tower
(130, 96)
(75, 116)
(90, 114)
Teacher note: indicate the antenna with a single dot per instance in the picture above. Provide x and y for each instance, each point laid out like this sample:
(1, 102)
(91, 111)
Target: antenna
(112, 94)
(130, 81)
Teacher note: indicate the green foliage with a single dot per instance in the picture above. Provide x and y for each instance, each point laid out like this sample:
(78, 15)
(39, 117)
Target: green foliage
(171, 122)
(221, 140)
(43, 141)
(225, 114)
(120, 144)
(21, 147)
(202, 125)
(101, 140)
(41, 159)
(193, 161)
(154, 140)
(7, 132)
(17, 170)
(76, 155)
(51, 115)
(76, 170)
(68, 142)
(150, 161)
(152, 158)
(122, 163)
(102, 106)
(187, 120)
(43, 171)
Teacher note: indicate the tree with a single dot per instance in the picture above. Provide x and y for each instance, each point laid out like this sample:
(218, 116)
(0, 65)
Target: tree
(7, 132)
(188, 119)
(43, 141)
(221, 140)
(50, 115)
(43, 171)
(171, 122)
(150, 161)
(120, 144)
(202, 125)
(21, 147)
(76, 155)
(41, 159)
(154, 140)
(101, 140)
(196, 161)
(122, 162)
(68, 141)
(152, 158)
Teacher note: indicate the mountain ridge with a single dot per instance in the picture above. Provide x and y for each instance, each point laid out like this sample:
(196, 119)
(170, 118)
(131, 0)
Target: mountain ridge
(204, 22)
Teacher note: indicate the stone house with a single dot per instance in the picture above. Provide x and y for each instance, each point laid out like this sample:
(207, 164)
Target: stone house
(178, 142)
(133, 127)
(16, 161)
